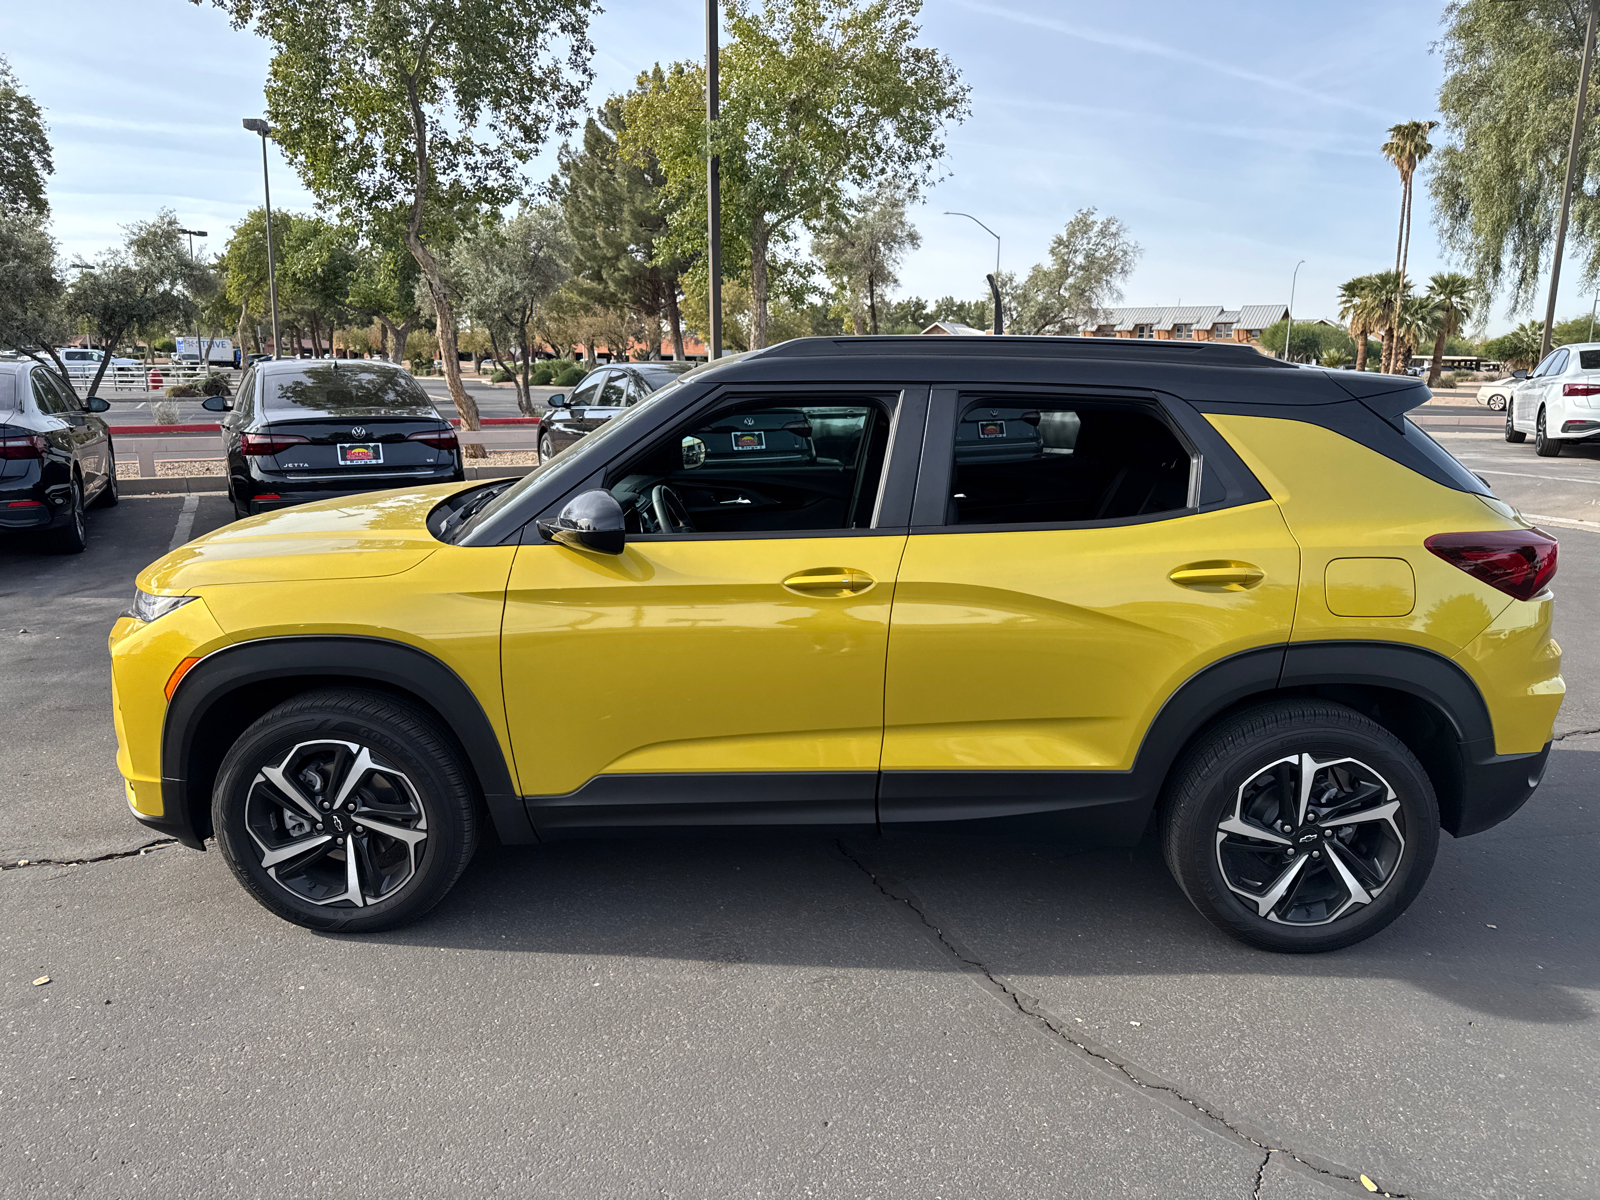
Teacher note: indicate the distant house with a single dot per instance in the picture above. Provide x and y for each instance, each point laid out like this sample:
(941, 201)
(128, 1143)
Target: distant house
(1199, 323)
(953, 329)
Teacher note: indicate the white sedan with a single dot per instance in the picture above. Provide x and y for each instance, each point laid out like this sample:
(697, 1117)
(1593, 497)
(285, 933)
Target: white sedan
(1558, 401)
(1496, 393)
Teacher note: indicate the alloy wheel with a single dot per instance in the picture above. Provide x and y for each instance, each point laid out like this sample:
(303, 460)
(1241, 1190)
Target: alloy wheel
(1307, 841)
(334, 825)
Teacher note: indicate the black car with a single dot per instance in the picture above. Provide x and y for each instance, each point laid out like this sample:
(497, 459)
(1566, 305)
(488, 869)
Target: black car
(301, 431)
(56, 457)
(603, 393)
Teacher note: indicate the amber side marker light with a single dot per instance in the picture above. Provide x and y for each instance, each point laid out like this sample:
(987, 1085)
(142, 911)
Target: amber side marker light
(1519, 562)
(177, 675)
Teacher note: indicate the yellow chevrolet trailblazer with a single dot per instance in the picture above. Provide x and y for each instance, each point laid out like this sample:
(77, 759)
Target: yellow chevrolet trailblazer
(877, 584)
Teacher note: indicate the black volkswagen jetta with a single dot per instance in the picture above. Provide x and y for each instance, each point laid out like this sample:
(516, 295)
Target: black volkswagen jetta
(55, 456)
(302, 430)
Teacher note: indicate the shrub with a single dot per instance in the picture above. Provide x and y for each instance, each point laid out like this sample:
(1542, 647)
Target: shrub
(163, 345)
(501, 375)
(166, 412)
(214, 384)
(1447, 380)
(542, 375)
(179, 391)
(569, 377)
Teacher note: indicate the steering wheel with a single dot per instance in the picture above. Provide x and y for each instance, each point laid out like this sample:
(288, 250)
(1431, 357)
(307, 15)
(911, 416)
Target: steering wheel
(669, 512)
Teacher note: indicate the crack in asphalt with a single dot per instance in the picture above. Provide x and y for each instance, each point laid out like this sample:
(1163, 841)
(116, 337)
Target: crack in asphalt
(1044, 1020)
(1261, 1177)
(1574, 733)
(21, 863)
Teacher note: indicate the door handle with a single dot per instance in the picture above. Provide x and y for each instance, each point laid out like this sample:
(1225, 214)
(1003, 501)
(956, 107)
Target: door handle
(1218, 576)
(829, 582)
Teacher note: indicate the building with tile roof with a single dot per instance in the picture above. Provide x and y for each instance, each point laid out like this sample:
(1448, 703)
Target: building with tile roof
(1198, 322)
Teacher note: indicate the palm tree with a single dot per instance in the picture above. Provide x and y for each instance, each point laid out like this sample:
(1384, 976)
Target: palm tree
(1389, 290)
(1358, 307)
(1418, 319)
(1407, 146)
(1453, 295)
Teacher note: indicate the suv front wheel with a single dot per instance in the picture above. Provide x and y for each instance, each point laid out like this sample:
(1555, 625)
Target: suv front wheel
(1300, 826)
(346, 811)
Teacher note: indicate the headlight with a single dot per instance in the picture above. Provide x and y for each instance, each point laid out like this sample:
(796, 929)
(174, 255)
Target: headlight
(147, 607)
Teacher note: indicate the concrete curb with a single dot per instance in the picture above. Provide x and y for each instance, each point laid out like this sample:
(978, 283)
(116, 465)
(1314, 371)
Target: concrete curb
(219, 483)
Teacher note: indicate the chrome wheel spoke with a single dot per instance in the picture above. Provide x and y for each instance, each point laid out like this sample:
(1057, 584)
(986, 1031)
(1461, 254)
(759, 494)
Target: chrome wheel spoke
(276, 777)
(1384, 812)
(409, 836)
(282, 854)
(1269, 899)
(1358, 894)
(1241, 828)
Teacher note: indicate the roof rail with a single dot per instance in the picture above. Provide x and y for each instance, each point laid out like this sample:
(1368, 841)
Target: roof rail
(1216, 354)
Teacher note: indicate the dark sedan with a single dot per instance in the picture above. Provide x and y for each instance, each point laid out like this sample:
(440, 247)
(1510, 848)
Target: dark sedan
(56, 457)
(300, 431)
(602, 394)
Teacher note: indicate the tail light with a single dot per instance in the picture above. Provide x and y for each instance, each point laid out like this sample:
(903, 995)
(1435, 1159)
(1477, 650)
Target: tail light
(28, 446)
(269, 443)
(1580, 389)
(1519, 562)
(439, 439)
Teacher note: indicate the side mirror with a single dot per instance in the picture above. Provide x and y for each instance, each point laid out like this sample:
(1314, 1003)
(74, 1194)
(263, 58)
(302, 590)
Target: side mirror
(559, 400)
(694, 453)
(591, 521)
(1519, 373)
(217, 404)
(97, 404)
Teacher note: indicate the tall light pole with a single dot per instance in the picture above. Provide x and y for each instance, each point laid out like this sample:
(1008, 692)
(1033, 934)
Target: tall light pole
(713, 189)
(1287, 333)
(994, 280)
(256, 125)
(1566, 188)
(200, 351)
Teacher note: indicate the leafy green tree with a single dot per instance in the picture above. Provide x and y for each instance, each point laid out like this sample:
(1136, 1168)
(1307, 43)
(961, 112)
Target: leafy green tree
(617, 210)
(25, 155)
(1454, 296)
(504, 272)
(1520, 347)
(818, 97)
(420, 104)
(31, 317)
(145, 282)
(1311, 341)
(1088, 262)
(862, 247)
(314, 277)
(1507, 104)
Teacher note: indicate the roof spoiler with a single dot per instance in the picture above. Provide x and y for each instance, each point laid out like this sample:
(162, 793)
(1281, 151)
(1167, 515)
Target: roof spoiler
(1391, 397)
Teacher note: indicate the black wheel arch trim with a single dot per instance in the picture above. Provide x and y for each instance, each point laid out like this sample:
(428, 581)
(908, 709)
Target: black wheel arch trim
(242, 677)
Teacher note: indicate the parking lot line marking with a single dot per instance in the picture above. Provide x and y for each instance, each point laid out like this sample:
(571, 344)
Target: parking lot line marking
(180, 535)
(1525, 475)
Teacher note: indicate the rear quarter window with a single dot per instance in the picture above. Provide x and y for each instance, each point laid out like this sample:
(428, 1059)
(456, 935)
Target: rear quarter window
(1589, 360)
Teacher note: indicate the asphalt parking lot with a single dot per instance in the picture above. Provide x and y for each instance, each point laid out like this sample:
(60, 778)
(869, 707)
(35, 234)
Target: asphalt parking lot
(867, 1018)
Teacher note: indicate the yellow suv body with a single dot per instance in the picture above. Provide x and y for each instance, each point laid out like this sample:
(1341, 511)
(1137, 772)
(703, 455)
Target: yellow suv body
(1037, 585)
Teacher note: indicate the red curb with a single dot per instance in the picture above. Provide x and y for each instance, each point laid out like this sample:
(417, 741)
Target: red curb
(140, 430)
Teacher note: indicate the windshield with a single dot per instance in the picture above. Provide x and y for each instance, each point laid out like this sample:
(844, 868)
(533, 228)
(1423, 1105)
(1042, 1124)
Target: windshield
(354, 390)
(576, 459)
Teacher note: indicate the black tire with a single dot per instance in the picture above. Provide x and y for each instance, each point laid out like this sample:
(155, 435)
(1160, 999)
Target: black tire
(547, 448)
(109, 495)
(240, 511)
(1515, 436)
(307, 742)
(1234, 775)
(72, 537)
(1544, 445)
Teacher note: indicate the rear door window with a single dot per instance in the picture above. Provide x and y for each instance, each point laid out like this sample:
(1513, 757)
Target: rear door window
(1020, 462)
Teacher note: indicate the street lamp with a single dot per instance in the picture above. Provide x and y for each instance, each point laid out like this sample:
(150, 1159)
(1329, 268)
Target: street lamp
(713, 189)
(994, 280)
(200, 350)
(1293, 279)
(256, 125)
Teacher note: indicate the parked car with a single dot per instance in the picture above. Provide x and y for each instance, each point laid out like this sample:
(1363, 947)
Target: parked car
(300, 431)
(1496, 392)
(602, 394)
(56, 456)
(1558, 401)
(1040, 585)
(82, 364)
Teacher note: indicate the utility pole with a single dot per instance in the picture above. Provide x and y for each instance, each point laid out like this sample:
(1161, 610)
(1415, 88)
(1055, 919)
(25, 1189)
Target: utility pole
(1572, 170)
(256, 125)
(713, 188)
(205, 359)
(1289, 332)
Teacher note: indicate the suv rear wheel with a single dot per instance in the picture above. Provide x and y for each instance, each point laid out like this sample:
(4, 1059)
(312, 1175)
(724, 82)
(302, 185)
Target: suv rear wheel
(1300, 826)
(346, 811)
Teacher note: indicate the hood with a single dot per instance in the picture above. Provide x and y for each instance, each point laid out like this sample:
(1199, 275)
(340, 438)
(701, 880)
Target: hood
(361, 537)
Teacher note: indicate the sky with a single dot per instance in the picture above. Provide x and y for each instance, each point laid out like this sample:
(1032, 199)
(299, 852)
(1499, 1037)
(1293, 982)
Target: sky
(1232, 139)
